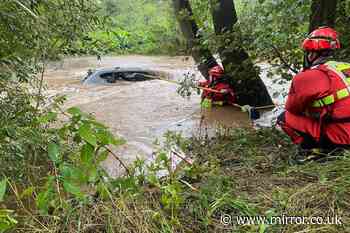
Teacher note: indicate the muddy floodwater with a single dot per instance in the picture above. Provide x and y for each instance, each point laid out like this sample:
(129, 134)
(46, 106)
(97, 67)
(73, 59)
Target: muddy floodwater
(140, 112)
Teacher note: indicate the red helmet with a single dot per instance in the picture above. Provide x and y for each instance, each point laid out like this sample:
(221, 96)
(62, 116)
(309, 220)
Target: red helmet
(216, 71)
(323, 38)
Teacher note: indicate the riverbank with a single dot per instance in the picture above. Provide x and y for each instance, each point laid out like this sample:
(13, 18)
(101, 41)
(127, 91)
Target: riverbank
(239, 172)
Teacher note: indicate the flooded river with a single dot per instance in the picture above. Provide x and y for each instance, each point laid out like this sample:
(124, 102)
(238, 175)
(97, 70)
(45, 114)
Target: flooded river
(140, 112)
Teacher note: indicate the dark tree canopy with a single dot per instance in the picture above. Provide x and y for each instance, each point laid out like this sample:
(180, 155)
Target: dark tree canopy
(189, 28)
(323, 13)
(245, 77)
(248, 86)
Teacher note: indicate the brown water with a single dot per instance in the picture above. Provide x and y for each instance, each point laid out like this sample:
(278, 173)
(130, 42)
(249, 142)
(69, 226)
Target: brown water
(140, 112)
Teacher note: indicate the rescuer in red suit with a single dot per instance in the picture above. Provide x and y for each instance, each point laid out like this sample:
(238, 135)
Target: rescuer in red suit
(220, 82)
(318, 106)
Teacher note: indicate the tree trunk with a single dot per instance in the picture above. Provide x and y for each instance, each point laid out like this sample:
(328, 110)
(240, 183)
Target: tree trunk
(189, 28)
(249, 88)
(323, 13)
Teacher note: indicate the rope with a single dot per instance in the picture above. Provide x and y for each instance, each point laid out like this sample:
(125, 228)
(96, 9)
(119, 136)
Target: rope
(243, 108)
(178, 83)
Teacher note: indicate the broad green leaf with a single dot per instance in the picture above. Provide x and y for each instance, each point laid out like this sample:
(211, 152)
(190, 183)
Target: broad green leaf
(65, 171)
(102, 156)
(54, 152)
(162, 156)
(118, 141)
(104, 137)
(3, 185)
(44, 198)
(42, 201)
(72, 189)
(126, 184)
(74, 174)
(87, 153)
(87, 134)
(48, 117)
(74, 111)
(93, 174)
(63, 132)
(107, 138)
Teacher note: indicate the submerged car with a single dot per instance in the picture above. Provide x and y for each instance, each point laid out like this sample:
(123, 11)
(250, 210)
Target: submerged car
(112, 75)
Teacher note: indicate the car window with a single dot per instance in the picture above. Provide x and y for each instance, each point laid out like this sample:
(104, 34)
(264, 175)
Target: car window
(108, 75)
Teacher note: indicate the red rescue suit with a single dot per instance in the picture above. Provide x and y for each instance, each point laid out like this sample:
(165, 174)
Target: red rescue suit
(219, 90)
(318, 104)
(226, 96)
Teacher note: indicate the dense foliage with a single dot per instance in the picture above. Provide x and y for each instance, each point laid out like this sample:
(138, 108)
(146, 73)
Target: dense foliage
(280, 27)
(343, 21)
(32, 33)
(141, 26)
(37, 29)
(272, 30)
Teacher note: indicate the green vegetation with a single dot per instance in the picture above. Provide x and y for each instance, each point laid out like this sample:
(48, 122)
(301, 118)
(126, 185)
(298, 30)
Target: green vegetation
(238, 173)
(32, 33)
(271, 30)
(140, 26)
(51, 179)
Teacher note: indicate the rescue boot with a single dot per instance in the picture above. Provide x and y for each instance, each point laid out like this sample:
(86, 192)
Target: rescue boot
(303, 156)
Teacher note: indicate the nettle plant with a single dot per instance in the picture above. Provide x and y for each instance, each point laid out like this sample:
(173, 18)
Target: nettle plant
(72, 175)
(76, 152)
(7, 220)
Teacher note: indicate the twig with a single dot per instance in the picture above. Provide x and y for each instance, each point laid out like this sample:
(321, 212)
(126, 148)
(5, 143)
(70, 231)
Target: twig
(15, 191)
(313, 230)
(26, 9)
(283, 60)
(189, 185)
(301, 191)
(57, 184)
(119, 160)
(40, 86)
(7, 67)
(118, 207)
(181, 157)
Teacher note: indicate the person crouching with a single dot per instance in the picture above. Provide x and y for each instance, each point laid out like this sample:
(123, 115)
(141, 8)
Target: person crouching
(219, 91)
